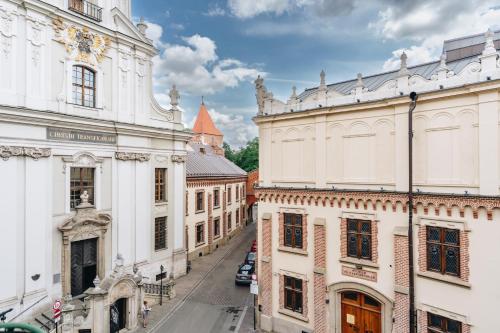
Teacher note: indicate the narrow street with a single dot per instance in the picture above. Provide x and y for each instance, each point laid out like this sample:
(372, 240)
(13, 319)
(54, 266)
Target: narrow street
(216, 304)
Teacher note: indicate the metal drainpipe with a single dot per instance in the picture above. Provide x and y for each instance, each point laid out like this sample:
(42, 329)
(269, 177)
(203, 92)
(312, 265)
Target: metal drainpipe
(413, 104)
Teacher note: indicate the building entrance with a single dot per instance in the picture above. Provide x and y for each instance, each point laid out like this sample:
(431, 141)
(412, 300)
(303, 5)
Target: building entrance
(83, 265)
(360, 313)
(117, 317)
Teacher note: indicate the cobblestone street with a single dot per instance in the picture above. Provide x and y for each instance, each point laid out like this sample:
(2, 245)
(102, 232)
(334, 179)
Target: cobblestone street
(207, 299)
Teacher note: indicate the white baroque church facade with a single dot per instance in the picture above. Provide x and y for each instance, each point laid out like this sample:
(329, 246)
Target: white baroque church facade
(78, 119)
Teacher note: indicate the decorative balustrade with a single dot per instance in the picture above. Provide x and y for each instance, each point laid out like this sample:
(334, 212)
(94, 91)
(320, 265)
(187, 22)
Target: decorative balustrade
(86, 8)
(154, 289)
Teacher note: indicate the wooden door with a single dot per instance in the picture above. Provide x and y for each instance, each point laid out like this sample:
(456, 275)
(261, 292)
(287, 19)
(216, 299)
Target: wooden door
(83, 265)
(360, 313)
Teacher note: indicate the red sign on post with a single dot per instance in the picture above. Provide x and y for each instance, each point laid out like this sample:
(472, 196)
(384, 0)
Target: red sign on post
(56, 310)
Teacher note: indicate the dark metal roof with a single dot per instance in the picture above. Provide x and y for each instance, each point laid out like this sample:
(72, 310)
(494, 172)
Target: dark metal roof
(204, 162)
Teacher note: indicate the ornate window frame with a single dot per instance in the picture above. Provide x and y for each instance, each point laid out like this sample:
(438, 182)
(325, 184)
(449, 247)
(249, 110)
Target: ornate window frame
(281, 228)
(98, 85)
(82, 160)
(344, 258)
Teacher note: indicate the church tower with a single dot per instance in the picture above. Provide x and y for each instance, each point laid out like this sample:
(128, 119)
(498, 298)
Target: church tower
(205, 130)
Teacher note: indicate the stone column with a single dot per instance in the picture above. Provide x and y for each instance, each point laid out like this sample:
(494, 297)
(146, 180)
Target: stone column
(488, 143)
(210, 224)
(319, 275)
(177, 213)
(266, 273)
(224, 216)
(401, 281)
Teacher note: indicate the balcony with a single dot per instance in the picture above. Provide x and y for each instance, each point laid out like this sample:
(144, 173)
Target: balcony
(86, 8)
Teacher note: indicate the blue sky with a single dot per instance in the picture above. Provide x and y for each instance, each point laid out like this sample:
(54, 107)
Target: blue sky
(216, 48)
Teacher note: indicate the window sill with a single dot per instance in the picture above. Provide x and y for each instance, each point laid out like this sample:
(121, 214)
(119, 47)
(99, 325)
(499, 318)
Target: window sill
(292, 250)
(216, 207)
(445, 278)
(293, 314)
(90, 108)
(199, 244)
(359, 262)
(161, 250)
(161, 203)
(199, 211)
(216, 237)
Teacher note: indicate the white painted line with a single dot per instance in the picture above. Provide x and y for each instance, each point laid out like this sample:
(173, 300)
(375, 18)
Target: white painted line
(241, 319)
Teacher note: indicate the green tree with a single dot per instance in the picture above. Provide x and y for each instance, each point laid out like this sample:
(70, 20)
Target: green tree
(246, 157)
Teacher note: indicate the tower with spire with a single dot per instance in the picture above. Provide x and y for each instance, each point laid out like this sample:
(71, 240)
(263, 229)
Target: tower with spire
(205, 130)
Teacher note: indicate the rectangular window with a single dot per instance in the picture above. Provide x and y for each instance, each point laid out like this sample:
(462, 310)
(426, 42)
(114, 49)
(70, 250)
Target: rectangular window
(238, 216)
(200, 201)
(217, 227)
(443, 250)
(160, 233)
(160, 185)
(229, 194)
(293, 294)
(293, 230)
(359, 239)
(187, 203)
(439, 324)
(216, 198)
(200, 233)
(237, 192)
(229, 222)
(81, 179)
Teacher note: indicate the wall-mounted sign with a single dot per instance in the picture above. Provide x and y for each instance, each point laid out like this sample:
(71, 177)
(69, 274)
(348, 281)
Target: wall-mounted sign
(62, 134)
(359, 273)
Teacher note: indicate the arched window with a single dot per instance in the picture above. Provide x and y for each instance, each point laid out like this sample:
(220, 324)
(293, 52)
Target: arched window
(83, 86)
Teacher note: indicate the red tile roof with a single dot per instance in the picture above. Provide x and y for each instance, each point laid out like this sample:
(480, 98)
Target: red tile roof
(204, 123)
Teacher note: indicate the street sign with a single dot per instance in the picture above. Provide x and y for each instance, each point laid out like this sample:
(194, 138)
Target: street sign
(56, 310)
(254, 288)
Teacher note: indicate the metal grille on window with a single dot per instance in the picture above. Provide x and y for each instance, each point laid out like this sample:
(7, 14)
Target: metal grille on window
(160, 233)
(293, 230)
(81, 179)
(359, 239)
(443, 250)
(439, 324)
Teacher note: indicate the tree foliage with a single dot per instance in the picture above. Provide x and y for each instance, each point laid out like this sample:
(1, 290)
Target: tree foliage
(246, 157)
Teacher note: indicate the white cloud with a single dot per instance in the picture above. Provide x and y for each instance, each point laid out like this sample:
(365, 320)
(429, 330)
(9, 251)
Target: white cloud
(237, 131)
(216, 10)
(196, 68)
(428, 23)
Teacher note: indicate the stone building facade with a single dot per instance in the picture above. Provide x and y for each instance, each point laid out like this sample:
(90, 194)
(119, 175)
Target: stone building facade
(216, 190)
(333, 198)
(77, 117)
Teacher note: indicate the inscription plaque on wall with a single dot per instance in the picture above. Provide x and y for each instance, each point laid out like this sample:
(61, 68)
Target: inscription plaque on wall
(359, 273)
(61, 134)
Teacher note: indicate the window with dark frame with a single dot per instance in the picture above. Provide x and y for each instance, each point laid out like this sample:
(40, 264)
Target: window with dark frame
(84, 86)
(217, 227)
(160, 185)
(229, 194)
(229, 221)
(293, 230)
(293, 294)
(216, 198)
(160, 233)
(237, 190)
(359, 239)
(81, 179)
(200, 198)
(200, 233)
(187, 203)
(443, 250)
(237, 216)
(439, 324)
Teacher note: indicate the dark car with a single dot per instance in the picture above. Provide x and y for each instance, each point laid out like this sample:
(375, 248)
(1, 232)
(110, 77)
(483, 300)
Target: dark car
(244, 275)
(250, 258)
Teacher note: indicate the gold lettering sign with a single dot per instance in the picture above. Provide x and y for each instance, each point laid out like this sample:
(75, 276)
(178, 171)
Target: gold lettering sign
(359, 273)
(61, 134)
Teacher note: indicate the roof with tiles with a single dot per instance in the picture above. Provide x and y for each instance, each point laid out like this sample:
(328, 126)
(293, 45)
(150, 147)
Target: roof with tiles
(204, 123)
(203, 161)
(459, 53)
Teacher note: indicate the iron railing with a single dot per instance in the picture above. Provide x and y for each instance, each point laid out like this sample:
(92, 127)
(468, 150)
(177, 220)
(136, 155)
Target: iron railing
(154, 289)
(86, 8)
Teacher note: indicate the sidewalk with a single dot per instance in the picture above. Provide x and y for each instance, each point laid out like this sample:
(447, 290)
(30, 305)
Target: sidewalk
(185, 285)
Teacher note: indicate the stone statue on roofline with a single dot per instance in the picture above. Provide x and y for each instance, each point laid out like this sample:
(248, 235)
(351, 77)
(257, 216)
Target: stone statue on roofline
(174, 97)
(260, 93)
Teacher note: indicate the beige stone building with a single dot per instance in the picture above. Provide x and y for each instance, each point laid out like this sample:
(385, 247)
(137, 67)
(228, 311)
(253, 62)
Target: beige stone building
(215, 194)
(333, 199)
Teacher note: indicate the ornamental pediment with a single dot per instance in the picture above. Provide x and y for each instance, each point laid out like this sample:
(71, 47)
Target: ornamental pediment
(86, 217)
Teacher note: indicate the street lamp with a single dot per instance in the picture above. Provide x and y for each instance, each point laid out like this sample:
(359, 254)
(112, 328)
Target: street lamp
(413, 105)
(161, 284)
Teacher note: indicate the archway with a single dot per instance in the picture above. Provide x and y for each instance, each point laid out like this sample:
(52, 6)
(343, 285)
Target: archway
(358, 308)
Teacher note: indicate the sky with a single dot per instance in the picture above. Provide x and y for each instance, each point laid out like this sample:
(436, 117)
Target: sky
(216, 48)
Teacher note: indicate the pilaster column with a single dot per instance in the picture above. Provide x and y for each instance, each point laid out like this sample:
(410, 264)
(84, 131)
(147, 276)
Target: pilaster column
(488, 143)
(401, 281)
(266, 273)
(319, 275)
(210, 223)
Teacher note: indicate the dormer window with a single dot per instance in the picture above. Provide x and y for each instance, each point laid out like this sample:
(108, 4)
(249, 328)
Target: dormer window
(86, 8)
(84, 86)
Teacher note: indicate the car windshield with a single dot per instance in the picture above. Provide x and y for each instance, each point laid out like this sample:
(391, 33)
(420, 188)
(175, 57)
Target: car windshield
(251, 256)
(246, 267)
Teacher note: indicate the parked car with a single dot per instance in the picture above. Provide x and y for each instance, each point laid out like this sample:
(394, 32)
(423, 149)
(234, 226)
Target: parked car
(250, 258)
(244, 275)
(254, 246)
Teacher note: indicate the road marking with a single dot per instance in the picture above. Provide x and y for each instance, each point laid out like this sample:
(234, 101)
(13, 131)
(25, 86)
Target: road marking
(241, 319)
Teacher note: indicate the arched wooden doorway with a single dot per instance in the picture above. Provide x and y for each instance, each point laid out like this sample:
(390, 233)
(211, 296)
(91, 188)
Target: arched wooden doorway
(360, 313)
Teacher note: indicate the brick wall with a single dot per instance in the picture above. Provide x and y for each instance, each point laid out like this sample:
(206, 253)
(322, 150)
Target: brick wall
(423, 327)
(402, 281)
(343, 238)
(319, 278)
(266, 278)
(224, 215)
(422, 248)
(210, 222)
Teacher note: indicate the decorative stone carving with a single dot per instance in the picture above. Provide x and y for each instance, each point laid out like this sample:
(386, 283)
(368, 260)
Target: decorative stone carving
(142, 26)
(174, 97)
(81, 44)
(403, 70)
(179, 158)
(261, 93)
(7, 152)
(359, 82)
(141, 157)
(489, 46)
(322, 81)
